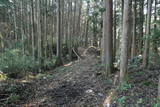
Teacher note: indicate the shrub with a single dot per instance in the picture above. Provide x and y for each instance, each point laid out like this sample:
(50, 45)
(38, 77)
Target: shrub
(13, 99)
(135, 62)
(15, 64)
(48, 63)
(12, 62)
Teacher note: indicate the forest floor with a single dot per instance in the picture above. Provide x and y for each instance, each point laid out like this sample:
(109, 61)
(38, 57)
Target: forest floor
(81, 84)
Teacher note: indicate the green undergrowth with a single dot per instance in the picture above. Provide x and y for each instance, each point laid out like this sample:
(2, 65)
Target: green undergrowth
(124, 86)
(12, 93)
(2, 76)
(14, 64)
(45, 76)
(157, 102)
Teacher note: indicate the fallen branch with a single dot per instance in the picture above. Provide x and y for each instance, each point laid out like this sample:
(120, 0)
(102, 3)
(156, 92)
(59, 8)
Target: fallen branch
(76, 54)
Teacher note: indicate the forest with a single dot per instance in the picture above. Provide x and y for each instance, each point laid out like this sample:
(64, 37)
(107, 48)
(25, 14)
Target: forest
(79, 53)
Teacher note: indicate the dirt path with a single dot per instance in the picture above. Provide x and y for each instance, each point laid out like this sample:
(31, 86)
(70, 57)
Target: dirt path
(80, 84)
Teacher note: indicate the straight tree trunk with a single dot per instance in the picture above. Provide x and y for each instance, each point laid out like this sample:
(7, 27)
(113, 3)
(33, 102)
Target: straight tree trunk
(54, 22)
(146, 45)
(124, 43)
(70, 30)
(122, 9)
(22, 30)
(79, 21)
(32, 30)
(15, 23)
(59, 45)
(141, 14)
(87, 24)
(67, 24)
(155, 48)
(115, 30)
(107, 55)
(44, 37)
(39, 31)
(74, 22)
(133, 48)
(28, 36)
(95, 40)
(62, 18)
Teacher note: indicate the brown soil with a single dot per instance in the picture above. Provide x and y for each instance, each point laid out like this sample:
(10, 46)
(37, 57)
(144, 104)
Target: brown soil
(75, 86)
(82, 84)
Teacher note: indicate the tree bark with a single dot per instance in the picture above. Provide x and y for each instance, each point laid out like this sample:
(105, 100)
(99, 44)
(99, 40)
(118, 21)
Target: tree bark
(70, 29)
(141, 15)
(115, 31)
(107, 55)
(15, 23)
(59, 45)
(146, 45)
(39, 31)
(155, 48)
(22, 30)
(133, 49)
(32, 30)
(124, 43)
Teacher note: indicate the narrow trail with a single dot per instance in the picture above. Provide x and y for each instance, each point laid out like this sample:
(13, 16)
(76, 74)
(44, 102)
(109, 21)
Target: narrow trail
(82, 84)
(78, 84)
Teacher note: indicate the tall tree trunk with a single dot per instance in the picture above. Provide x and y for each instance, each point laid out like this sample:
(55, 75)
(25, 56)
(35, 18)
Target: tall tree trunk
(28, 36)
(39, 31)
(74, 22)
(146, 45)
(70, 30)
(87, 24)
(122, 9)
(67, 24)
(155, 48)
(22, 30)
(32, 30)
(107, 55)
(62, 18)
(45, 29)
(79, 21)
(54, 22)
(15, 23)
(141, 15)
(133, 48)
(115, 30)
(59, 45)
(124, 44)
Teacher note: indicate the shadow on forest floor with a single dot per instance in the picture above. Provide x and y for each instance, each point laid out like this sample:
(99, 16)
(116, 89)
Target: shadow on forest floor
(77, 85)
(81, 84)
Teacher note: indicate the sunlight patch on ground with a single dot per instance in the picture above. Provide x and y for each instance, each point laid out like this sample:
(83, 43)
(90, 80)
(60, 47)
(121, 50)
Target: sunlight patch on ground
(159, 49)
(109, 98)
(31, 76)
(2, 76)
(35, 104)
(25, 81)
